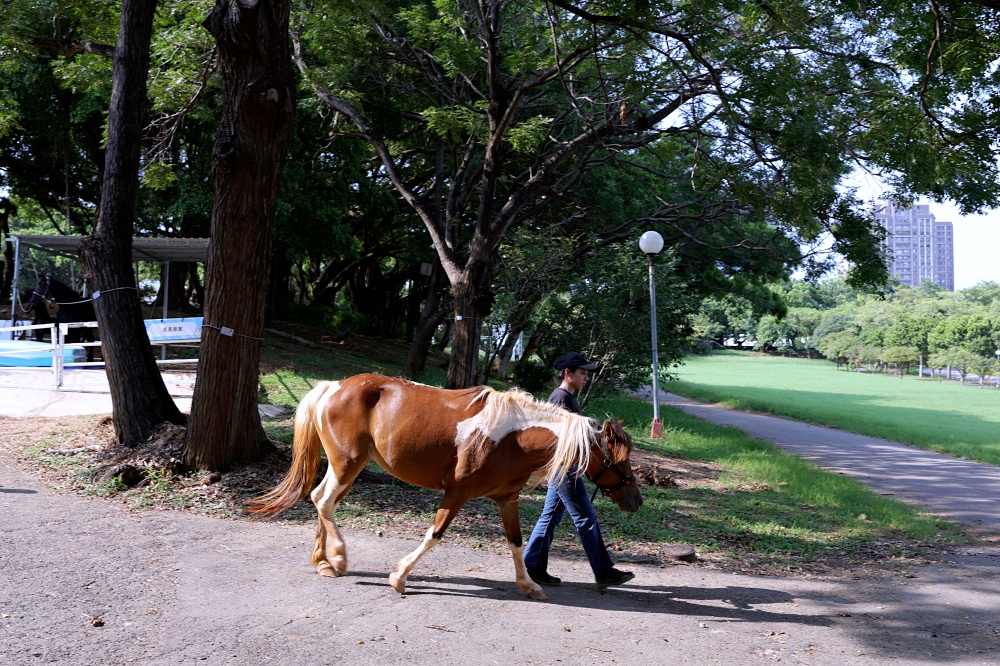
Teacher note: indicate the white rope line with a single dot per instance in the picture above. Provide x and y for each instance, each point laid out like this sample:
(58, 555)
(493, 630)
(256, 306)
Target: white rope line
(225, 330)
(97, 293)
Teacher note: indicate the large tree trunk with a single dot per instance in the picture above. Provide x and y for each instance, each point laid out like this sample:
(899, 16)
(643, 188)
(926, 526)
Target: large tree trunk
(533, 342)
(278, 294)
(175, 288)
(138, 395)
(507, 348)
(249, 154)
(517, 321)
(431, 317)
(7, 265)
(193, 291)
(473, 297)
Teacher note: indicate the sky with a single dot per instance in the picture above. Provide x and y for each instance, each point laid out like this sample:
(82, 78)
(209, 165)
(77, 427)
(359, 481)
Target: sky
(977, 244)
(976, 237)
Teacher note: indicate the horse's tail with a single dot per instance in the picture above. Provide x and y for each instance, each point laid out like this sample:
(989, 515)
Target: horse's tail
(301, 475)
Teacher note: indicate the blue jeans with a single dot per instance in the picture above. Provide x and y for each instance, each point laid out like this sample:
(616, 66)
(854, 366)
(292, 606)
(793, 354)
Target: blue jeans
(570, 495)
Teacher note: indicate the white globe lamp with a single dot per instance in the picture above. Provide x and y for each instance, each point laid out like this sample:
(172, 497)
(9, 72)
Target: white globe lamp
(651, 243)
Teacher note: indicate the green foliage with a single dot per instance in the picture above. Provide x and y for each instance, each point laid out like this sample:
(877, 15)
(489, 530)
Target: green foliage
(159, 479)
(598, 137)
(912, 331)
(957, 128)
(419, 74)
(531, 376)
(841, 346)
(8, 114)
(112, 486)
(159, 177)
(958, 359)
(984, 293)
(835, 321)
(984, 367)
(457, 122)
(976, 334)
(528, 135)
(724, 317)
(902, 356)
(794, 331)
(605, 315)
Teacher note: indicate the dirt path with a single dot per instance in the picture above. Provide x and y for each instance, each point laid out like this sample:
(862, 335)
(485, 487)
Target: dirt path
(174, 588)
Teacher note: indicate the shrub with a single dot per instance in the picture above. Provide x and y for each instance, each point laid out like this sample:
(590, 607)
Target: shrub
(532, 377)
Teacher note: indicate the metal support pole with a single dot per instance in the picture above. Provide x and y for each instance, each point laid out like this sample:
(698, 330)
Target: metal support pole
(657, 430)
(59, 341)
(166, 299)
(14, 300)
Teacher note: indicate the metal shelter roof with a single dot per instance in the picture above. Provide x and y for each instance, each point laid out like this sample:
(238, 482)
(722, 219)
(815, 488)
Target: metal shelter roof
(143, 249)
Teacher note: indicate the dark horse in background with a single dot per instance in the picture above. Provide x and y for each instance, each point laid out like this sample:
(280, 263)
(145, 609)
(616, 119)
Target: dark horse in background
(72, 307)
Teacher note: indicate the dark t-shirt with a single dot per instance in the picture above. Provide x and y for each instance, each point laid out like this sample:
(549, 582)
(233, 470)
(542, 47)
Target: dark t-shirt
(565, 399)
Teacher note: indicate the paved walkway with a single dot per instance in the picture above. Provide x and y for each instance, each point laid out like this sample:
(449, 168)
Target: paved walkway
(964, 491)
(31, 392)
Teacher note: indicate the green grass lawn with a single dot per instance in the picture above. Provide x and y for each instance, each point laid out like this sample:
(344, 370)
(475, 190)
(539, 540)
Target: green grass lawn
(962, 421)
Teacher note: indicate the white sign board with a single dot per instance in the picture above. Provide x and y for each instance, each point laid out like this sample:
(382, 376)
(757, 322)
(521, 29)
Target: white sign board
(166, 330)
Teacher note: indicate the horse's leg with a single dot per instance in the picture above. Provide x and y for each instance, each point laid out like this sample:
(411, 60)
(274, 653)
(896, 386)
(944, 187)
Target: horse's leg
(87, 335)
(340, 475)
(450, 505)
(510, 514)
(39, 333)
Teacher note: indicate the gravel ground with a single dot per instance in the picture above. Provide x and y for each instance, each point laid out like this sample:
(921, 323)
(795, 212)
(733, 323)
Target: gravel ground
(84, 582)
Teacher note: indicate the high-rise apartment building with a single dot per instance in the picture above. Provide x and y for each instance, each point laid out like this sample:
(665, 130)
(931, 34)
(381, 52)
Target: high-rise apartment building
(919, 247)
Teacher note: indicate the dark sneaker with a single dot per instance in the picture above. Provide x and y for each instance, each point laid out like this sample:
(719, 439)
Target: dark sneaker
(543, 578)
(613, 577)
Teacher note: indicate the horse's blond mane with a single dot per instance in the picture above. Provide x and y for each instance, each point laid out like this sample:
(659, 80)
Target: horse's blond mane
(575, 437)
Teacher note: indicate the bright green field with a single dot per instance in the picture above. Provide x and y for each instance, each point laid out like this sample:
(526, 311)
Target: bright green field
(962, 421)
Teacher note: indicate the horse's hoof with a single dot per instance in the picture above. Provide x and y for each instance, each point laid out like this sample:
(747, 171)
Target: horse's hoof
(340, 564)
(326, 569)
(398, 583)
(537, 595)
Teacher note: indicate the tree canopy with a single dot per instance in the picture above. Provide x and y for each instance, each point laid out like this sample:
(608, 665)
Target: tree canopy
(435, 140)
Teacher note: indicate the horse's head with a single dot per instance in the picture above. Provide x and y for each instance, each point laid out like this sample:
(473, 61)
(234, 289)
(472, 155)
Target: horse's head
(611, 470)
(35, 299)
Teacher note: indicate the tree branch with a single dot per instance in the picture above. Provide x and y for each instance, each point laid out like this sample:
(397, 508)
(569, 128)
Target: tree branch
(447, 254)
(70, 49)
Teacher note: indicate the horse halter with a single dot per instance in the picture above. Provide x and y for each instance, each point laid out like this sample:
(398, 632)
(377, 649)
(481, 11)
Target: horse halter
(35, 295)
(44, 293)
(623, 480)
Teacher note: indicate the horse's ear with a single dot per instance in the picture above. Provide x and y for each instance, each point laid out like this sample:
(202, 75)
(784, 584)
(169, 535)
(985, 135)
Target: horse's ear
(621, 422)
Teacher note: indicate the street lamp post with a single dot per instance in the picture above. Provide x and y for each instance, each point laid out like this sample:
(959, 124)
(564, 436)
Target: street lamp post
(651, 243)
(997, 352)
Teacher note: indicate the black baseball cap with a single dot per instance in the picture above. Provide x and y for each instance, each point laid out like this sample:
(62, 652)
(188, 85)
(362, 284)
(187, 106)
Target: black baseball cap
(573, 360)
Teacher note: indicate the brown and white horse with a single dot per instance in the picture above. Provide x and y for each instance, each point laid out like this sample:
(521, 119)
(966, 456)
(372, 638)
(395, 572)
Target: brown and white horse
(470, 443)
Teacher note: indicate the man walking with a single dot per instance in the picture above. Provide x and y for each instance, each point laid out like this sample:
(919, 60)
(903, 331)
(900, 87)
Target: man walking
(571, 495)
